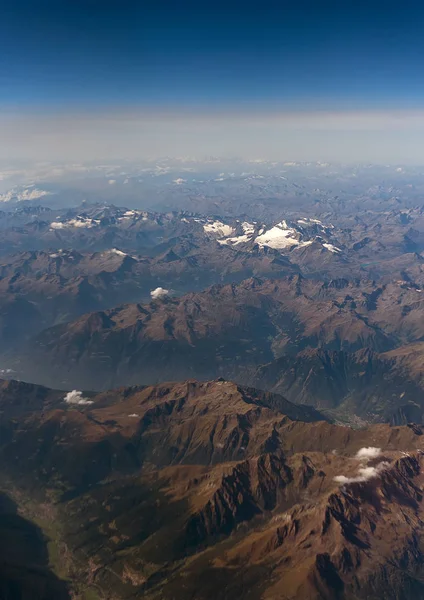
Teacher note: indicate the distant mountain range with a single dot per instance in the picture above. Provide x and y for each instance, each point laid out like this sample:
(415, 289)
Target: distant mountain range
(352, 347)
(373, 387)
(235, 397)
(333, 288)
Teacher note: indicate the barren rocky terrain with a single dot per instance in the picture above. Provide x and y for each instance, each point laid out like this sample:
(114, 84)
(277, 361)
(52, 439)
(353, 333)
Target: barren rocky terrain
(154, 488)
(212, 383)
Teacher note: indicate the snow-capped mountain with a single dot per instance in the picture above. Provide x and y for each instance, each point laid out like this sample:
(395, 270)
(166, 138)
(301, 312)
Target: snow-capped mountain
(285, 236)
(25, 193)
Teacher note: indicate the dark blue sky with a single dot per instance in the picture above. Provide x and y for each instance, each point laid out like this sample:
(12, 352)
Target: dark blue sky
(303, 54)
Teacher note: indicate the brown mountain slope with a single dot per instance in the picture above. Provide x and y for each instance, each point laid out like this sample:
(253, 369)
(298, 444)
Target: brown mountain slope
(41, 289)
(193, 490)
(375, 387)
(225, 330)
(171, 423)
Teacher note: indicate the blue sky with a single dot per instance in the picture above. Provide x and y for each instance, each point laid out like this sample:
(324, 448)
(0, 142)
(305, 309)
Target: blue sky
(61, 60)
(303, 53)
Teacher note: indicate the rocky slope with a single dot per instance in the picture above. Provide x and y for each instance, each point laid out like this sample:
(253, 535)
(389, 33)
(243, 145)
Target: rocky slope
(374, 386)
(41, 289)
(72, 261)
(190, 490)
(224, 331)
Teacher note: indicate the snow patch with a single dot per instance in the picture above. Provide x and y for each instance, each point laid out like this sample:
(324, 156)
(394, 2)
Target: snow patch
(303, 244)
(118, 252)
(248, 228)
(241, 239)
(218, 228)
(309, 221)
(332, 248)
(26, 194)
(278, 237)
(80, 222)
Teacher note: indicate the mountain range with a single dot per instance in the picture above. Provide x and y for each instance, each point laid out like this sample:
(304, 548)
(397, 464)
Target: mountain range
(231, 330)
(210, 488)
(212, 382)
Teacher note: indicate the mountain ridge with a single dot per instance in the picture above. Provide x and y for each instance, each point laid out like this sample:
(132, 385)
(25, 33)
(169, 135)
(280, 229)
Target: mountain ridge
(205, 487)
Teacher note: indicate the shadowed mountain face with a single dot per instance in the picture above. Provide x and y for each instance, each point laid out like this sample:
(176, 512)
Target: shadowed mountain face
(193, 490)
(375, 387)
(24, 561)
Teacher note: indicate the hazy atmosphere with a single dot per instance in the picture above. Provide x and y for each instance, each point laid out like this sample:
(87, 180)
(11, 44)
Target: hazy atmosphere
(395, 136)
(303, 81)
(211, 300)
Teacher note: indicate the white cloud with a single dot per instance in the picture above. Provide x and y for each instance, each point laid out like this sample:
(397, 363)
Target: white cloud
(364, 474)
(368, 453)
(112, 181)
(159, 293)
(75, 397)
(180, 181)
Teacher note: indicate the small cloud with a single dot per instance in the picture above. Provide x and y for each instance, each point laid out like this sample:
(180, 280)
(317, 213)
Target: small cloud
(159, 293)
(134, 415)
(112, 181)
(364, 474)
(179, 181)
(75, 397)
(368, 453)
